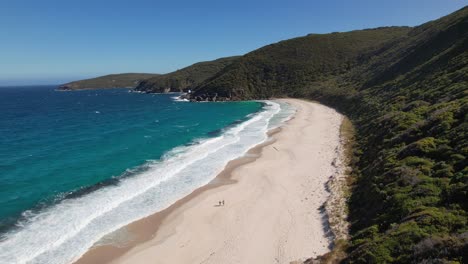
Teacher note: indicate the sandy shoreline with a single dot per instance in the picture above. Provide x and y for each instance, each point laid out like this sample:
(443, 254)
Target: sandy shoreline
(272, 212)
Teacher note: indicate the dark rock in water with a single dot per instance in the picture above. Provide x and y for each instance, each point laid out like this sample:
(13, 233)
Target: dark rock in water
(206, 97)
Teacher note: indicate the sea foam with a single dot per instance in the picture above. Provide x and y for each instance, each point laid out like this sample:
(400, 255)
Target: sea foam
(64, 232)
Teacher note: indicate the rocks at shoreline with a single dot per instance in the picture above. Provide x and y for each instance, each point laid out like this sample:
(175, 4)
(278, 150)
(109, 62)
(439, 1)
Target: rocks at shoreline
(207, 97)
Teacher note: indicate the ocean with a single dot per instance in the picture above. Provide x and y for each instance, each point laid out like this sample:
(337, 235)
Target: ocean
(75, 166)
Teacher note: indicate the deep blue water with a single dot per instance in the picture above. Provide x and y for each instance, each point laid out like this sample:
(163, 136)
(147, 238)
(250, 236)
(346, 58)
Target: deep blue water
(56, 145)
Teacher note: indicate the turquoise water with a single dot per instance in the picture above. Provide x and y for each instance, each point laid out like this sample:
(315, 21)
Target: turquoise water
(57, 145)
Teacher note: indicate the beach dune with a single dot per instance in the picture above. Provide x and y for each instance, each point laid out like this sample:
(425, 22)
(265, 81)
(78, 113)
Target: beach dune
(272, 202)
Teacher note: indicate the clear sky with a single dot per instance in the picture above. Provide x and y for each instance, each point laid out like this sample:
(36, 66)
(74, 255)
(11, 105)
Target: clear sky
(47, 41)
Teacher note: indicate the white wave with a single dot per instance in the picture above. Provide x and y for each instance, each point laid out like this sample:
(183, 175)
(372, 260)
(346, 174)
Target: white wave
(63, 232)
(287, 112)
(179, 99)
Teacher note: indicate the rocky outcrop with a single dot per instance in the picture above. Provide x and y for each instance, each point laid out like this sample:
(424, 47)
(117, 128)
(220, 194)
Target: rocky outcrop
(213, 97)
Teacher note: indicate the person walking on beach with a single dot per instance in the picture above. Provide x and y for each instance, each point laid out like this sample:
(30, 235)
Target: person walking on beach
(223, 202)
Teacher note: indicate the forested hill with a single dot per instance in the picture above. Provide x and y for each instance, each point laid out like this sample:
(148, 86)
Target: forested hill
(123, 80)
(291, 67)
(186, 78)
(406, 91)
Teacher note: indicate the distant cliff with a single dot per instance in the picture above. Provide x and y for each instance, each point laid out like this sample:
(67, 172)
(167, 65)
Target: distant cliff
(186, 78)
(124, 80)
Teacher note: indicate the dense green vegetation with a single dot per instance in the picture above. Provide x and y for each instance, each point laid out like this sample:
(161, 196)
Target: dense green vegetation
(186, 78)
(406, 91)
(124, 80)
(293, 66)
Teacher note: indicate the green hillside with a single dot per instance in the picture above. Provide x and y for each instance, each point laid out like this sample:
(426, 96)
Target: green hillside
(289, 66)
(186, 78)
(124, 80)
(406, 91)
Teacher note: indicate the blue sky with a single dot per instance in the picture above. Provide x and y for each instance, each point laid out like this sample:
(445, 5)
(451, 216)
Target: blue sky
(46, 41)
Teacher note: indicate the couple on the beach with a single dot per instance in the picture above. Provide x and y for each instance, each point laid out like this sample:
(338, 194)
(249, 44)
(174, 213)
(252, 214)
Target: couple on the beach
(221, 203)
